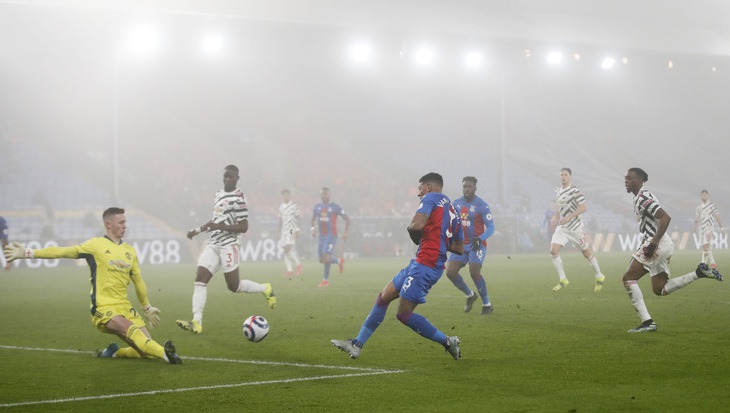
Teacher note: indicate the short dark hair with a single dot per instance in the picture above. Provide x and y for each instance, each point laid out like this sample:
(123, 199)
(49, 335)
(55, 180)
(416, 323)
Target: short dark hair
(568, 170)
(432, 177)
(704, 191)
(233, 168)
(285, 191)
(470, 179)
(640, 173)
(110, 212)
(324, 188)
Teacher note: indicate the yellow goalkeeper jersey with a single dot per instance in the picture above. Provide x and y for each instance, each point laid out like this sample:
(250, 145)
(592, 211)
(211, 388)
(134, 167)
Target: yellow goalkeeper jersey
(112, 267)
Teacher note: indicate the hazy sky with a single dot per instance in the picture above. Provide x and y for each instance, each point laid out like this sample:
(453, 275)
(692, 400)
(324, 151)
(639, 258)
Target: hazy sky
(283, 99)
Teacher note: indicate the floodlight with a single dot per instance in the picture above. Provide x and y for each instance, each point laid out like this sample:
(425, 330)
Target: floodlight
(212, 43)
(424, 56)
(608, 63)
(143, 40)
(473, 59)
(361, 52)
(554, 58)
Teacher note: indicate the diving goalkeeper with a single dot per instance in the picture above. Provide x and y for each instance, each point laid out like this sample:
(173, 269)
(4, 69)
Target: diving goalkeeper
(113, 265)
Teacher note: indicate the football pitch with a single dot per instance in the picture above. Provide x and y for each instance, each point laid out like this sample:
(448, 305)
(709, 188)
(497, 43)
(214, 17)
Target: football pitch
(539, 351)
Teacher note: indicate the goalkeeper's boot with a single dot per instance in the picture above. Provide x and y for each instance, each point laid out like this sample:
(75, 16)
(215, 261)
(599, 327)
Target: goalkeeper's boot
(646, 326)
(172, 356)
(470, 301)
(191, 326)
(454, 347)
(486, 309)
(703, 271)
(269, 294)
(599, 283)
(348, 347)
(109, 351)
(562, 284)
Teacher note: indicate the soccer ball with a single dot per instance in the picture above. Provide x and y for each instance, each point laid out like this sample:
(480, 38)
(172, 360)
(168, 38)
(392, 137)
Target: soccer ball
(255, 328)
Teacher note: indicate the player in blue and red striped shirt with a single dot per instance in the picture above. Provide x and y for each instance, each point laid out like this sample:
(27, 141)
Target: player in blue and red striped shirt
(436, 229)
(325, 215)
(476, 220)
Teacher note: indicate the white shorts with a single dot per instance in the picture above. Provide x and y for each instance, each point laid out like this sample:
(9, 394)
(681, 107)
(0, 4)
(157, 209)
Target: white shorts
(707, 235)
(659, 262)
(215, 257)
(561, 236)
(288, 238)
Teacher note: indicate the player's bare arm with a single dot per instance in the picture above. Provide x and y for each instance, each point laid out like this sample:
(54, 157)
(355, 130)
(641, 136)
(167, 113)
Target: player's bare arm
(346, 234)
(240, 227)
(203, 228)
(664, 220)
(456, 246)
(415, 229)
(581, 209)
(719, 222)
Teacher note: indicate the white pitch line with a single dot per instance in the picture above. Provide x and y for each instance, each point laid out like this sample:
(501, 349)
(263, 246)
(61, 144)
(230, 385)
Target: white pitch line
(365, 371)
(225, 360)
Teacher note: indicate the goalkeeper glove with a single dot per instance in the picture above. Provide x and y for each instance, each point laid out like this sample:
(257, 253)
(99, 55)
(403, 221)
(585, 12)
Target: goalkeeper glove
(152, 315)
(475, 244)
(16, 251)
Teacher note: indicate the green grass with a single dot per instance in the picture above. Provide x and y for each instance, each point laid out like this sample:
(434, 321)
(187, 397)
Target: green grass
(540, 351)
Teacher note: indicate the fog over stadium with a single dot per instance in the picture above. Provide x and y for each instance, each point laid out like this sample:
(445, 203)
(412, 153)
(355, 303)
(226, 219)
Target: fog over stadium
(141, 104)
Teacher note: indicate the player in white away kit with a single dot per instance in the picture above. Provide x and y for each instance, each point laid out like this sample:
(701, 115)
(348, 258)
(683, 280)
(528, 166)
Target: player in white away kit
(289, 214)
(230, 218)
(654, 253)
(569, 227)
(705, 216)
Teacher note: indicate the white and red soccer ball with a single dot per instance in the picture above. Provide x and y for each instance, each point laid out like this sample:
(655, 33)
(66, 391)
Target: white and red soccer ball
(255, 328)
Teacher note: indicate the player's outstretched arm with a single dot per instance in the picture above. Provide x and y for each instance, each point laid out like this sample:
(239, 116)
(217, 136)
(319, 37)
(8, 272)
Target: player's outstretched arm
(16, 251)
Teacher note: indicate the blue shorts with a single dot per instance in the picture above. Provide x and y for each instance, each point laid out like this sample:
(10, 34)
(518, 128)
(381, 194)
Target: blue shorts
(326, 245)
(414, 281)
(471, 257)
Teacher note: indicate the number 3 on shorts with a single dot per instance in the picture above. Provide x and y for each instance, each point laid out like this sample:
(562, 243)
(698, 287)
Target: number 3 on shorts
(407, 283)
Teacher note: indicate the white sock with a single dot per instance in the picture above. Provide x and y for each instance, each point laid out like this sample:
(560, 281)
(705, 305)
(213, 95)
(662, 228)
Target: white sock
(294, 256)
(637, 299)
(710, 258)
(704, 256)
(287, 262)
(594, 263)
(558, 264)
(200, 296)
(675, 284)
(248, 286)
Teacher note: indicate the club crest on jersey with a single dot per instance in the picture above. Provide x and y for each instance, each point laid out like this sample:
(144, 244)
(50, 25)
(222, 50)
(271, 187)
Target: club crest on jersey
(119, 264)
(128, 255)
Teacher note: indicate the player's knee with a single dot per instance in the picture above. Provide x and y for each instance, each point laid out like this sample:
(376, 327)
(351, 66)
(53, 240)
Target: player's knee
(404, 317)
(233, 287)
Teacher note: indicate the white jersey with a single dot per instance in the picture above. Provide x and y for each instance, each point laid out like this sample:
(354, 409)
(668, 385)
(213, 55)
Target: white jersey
(289, 214)
(646, 206)
(569, 199)
(706, 216)
(230, 208)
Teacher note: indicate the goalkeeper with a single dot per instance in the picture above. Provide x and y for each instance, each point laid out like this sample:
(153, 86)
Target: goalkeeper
(113, 265)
